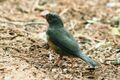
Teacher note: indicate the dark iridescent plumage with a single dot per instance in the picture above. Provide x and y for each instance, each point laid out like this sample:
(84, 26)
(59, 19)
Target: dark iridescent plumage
(63, 41)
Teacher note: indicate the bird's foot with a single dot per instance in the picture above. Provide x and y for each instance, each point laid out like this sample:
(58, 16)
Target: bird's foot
(46, 46)
(58, 62)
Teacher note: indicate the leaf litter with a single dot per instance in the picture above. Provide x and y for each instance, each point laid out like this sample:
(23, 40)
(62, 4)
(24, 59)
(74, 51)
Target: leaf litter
(94, 24)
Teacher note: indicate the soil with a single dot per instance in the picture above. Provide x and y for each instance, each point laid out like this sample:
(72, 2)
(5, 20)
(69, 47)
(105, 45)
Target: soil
(22, 39)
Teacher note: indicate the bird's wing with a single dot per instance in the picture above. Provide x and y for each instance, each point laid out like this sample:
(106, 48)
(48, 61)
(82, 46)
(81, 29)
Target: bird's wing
(64, 40)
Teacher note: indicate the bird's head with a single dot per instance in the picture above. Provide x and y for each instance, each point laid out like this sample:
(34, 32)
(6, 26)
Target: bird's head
(53, 19)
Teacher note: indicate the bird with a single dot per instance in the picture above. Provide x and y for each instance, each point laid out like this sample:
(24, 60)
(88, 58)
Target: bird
(62, 41)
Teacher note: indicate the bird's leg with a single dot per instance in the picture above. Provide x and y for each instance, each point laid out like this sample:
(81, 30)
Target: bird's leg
(58, 60)
(72, 62)
(46, 46)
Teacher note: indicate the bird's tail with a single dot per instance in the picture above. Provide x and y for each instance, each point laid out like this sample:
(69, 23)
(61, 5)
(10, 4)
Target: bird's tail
(87, 59)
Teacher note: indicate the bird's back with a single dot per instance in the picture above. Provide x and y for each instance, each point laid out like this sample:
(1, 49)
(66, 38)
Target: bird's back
(64, 40)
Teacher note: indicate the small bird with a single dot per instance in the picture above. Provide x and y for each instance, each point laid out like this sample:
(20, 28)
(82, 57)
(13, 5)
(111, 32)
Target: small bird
(62, 41)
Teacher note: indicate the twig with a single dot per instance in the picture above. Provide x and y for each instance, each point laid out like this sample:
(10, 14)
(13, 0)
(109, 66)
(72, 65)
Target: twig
(21, 58)
(14, 48)
(21, 23)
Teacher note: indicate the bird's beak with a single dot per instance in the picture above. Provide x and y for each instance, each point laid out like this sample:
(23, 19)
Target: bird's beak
(44, 13)
(43, 16)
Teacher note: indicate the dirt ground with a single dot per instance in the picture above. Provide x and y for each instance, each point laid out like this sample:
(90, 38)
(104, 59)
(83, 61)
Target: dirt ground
(94, 23)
